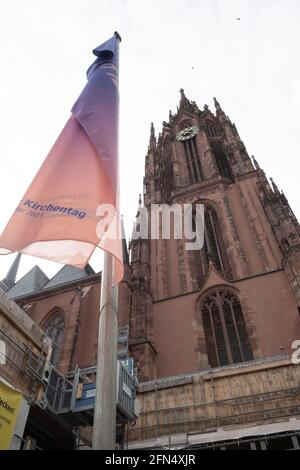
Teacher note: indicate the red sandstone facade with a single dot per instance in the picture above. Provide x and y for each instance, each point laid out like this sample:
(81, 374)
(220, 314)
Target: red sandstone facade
(252, 255)
(187, 311)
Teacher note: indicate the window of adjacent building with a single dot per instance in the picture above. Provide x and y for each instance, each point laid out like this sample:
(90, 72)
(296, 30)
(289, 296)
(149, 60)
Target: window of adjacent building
(225, 331)
(55, 329)
(193, 160)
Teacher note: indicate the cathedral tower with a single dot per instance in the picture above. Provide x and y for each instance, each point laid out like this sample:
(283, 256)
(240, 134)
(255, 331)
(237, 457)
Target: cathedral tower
(237, 298)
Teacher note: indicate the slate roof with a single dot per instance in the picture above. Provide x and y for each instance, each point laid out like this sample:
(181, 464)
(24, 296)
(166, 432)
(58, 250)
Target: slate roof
(3, 286)
(30, 282)
(68, 274)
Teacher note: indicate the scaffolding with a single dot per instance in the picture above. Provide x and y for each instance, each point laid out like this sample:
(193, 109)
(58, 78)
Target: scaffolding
(230, 397)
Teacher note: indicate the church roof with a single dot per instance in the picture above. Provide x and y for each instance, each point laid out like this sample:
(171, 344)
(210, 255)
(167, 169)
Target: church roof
(3, 286)
(68, 274)
(36, 280)
(30, 282)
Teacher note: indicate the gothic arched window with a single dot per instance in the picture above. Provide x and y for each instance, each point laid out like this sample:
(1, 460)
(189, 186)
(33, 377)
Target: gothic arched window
(221, 160)
(55, 329)
(167, 170)
(212, 128)
(193, 160)
(225, 330)
(212, 238)
(213, 247)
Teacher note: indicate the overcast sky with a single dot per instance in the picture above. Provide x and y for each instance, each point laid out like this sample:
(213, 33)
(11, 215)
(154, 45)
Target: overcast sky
(251, 66)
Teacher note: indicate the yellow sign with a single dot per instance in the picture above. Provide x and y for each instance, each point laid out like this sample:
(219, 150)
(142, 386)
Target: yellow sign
(10, 401)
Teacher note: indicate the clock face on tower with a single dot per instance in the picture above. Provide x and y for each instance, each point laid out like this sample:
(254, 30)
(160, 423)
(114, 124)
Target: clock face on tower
(187, 133)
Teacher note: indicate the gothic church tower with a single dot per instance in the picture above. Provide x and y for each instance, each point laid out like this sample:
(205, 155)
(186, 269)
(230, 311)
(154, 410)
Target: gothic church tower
(237, 298)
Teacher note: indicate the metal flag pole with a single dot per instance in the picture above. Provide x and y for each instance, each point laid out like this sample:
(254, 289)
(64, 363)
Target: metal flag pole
(104, 426)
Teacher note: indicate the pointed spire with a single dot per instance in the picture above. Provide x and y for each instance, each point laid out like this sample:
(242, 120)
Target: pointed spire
(136, 222)
(133, 230)
(257, 167)
(152, 141)
(275, 188)
(285, 203)
(152, 131)
(184, 102)
(10, 278)
(235, 129)
(219, 111)
(283, 197)
(124, 244)
(217, 105)
(139, 206)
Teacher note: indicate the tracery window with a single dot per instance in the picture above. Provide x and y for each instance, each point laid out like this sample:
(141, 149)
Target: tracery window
(213, 247)
(55, 329)
(212, 238)
(221, 160)
(212, 129)
(225, 331)
(193, 160)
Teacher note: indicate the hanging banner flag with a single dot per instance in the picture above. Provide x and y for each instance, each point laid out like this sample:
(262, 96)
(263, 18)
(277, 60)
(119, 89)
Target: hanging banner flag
(72, 204)
(10, 401)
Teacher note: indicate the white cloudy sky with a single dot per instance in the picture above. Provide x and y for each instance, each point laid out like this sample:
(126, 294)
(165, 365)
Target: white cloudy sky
(251, 66)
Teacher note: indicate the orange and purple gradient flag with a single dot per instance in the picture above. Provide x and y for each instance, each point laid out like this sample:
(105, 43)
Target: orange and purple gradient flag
(59, 216)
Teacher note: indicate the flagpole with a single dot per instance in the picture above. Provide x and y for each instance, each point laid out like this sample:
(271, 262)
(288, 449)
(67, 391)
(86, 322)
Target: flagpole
(105, 412)
(104, 427)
